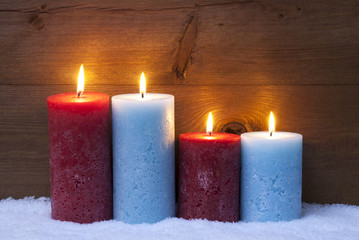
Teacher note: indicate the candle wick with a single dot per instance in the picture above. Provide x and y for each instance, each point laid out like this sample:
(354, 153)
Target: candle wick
(79, 93)
(209, 133)
(142, 95)
(271, 133)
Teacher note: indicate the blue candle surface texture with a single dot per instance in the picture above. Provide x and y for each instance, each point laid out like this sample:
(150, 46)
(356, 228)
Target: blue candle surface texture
(271, 176)
(143, 157)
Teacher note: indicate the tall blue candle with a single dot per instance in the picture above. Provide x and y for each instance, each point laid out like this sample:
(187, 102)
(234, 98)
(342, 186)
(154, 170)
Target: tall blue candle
(143, 157)
(271, 176)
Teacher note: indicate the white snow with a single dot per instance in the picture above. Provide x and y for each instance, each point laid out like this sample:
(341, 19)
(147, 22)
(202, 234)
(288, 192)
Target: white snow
(29, 218)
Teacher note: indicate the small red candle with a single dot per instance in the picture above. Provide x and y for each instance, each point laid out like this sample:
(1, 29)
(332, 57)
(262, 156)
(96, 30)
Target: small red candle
(80, 156)
(209, 176)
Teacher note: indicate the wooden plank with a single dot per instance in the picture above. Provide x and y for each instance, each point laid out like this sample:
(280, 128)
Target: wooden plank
(110, 5)
(210, 43)
(325, 115)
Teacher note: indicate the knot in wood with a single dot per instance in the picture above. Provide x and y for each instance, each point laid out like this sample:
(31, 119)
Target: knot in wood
(234, 127)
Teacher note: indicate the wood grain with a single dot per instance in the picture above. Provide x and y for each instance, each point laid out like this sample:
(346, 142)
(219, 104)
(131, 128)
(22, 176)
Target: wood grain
(228, 42)
(238, 59)
(323, 114)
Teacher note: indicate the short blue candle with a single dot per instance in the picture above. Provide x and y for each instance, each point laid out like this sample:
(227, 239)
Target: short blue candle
(143, 157)
(271, 176)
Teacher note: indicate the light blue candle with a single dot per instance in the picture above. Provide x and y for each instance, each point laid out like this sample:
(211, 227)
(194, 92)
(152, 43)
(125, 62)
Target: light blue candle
(143, 157)
(271, 176)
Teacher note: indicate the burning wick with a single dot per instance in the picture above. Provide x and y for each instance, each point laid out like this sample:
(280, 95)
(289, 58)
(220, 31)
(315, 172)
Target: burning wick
(271, 124)
(80, 82)
(79, 93)
(210, 124)
(143, 85)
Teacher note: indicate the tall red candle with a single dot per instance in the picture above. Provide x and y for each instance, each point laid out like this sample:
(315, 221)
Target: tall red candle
(209, 176)
(80, 157)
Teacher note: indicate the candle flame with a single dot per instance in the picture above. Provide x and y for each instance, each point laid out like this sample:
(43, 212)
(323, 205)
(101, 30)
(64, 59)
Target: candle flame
(80, 82)
(210, 124)
(143, 85)
(271, 124)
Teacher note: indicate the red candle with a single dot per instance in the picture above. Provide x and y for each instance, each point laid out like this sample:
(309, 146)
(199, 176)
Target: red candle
(80, 156)
(209, 176)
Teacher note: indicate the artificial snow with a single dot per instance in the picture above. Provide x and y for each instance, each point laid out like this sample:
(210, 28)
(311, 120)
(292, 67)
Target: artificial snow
(29, 218)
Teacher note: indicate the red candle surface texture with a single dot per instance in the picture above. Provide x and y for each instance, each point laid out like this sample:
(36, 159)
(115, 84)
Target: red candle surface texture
(209, 176)
(80, 157)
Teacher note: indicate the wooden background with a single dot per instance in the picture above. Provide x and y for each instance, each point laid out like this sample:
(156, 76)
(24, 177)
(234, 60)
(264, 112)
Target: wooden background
(239, 59)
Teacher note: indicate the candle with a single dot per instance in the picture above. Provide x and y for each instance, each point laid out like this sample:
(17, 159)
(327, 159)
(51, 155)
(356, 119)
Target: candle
(143, 151)
(80, 155)
(271, 175)
(209, 175)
